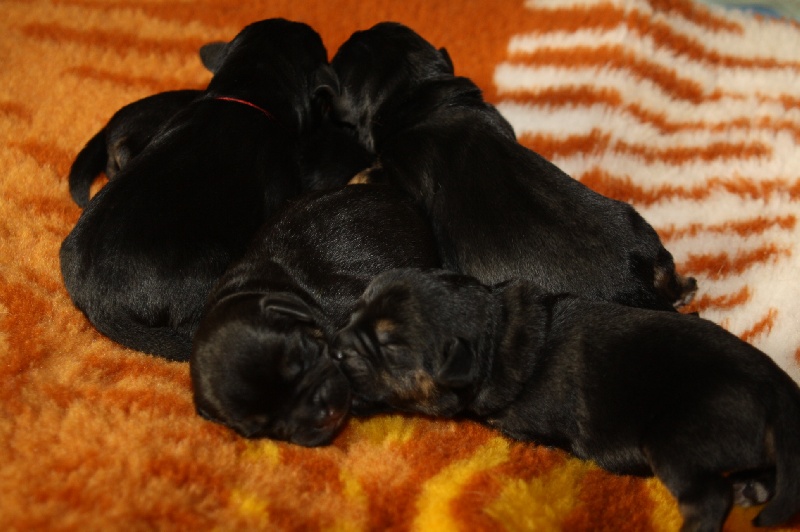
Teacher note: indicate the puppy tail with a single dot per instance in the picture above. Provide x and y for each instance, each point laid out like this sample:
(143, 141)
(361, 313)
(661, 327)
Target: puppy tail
(786, 435)
(91, 160)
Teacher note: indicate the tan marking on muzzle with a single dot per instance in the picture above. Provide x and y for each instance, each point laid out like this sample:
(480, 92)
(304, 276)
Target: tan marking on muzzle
(417, 387)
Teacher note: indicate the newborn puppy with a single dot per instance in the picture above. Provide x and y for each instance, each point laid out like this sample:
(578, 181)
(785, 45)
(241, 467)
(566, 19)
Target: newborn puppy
(131, 129)
(638, 391)
(260, 362)
(124, 136)
(330, 154)
(499, 210)
(145, 253)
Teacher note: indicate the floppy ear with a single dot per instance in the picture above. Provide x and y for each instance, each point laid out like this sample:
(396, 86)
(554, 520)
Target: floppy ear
(446, 57)
(459, 367)
(326, 82)
(212, 55)
(287, 305)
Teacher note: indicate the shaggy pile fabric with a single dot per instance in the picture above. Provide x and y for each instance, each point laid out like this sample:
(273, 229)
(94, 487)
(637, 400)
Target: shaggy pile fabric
(691, 113)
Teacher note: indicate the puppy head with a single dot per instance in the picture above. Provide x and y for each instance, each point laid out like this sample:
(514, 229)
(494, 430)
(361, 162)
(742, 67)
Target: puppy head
(260, 366)
(413, 343)
(382, 65)
(273, 61)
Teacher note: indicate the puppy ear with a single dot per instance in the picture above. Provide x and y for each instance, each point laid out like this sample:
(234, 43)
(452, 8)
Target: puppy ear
(446, 57)
(213, 54)
(459, 367)
(287, 305)
(326, 82)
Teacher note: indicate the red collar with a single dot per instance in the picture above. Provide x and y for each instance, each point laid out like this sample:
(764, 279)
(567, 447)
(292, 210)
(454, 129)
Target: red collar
(249, 104)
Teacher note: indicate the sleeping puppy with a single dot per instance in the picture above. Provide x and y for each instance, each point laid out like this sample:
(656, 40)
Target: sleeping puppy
(330, 154)
(260, 362)
(638, 391)
(499, 210)
(145, 253)
(131, 129)
(124, 136)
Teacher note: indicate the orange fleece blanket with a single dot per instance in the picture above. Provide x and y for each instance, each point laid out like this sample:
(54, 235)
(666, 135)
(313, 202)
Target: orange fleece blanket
(691, 114)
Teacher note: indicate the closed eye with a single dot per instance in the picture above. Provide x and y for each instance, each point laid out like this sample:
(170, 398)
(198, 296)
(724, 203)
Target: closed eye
(393, 346)
(298, 360)
(398, 355)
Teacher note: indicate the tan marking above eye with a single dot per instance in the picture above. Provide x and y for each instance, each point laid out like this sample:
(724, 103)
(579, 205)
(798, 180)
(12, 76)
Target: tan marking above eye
(385, 325)
(384, 328)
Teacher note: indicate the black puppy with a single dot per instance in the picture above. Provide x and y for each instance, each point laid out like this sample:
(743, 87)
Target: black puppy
(124, 136)
(145, 253)
(499, 210)
(330, 154)
(131, 129)
(638, 391)
(260, 362)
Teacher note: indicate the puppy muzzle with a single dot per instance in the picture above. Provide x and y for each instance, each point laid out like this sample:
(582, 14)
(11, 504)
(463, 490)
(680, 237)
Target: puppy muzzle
(321, 410)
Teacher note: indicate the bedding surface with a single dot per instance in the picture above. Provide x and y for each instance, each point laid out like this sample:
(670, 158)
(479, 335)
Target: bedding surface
(689, 112)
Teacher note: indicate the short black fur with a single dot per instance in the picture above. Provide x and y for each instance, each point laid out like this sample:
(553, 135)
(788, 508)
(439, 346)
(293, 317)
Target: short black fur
(638, 391)
(499, 210)
(260, 362)
(146, 251)
(125, 135)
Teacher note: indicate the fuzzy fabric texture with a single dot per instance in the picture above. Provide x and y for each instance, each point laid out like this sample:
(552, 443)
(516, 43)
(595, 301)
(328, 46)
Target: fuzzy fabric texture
(690, 113)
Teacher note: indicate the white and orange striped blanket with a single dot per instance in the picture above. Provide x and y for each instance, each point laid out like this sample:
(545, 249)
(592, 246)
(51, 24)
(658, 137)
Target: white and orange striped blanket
(694, 118)
(690, 113)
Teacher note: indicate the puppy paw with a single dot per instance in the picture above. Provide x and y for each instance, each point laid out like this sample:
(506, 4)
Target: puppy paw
(688, 288)
(752, 488)
(751, 493)
(674, 287)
